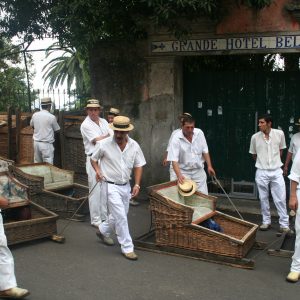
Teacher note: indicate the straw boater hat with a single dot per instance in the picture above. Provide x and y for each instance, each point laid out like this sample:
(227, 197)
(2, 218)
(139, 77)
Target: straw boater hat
(3, 123)
(46, 101)
(298, 124)
(187, 188)
(114, 111)
(94, 103)
(121, 123)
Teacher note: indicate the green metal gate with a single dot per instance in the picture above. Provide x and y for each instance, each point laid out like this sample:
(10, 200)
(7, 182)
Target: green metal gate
(226, 106)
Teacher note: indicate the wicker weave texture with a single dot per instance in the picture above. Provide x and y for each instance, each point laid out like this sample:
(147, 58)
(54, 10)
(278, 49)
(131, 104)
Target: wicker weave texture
(42, 224)
(173, 228)
(164, 216)
(4, 142)
(81, 178)
(35, 183)
(62, 204)
(74, 155)
(26, 152)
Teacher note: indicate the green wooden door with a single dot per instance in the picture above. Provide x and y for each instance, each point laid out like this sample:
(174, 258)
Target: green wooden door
(226, 106)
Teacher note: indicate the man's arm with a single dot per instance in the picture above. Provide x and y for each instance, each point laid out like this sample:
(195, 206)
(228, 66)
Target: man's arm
(177, 171)
(97, 169)
(280, 152)
(287, 162)
(293, 202)
(165, 161)
(99, 138)
(210, 169)
(138, 171)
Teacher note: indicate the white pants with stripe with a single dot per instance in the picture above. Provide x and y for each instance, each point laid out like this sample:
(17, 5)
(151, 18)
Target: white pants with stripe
(296, 257)
(272, 179)
(97, 203)
(43, 152)
(118, 205)
(7, 272)
(198, 175)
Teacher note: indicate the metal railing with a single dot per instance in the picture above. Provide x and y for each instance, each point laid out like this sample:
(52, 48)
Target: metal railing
(62, 99)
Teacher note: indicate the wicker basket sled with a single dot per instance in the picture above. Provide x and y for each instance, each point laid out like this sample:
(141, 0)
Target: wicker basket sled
(41, 225)
(53, 188)
(23, 219)
(177, 222)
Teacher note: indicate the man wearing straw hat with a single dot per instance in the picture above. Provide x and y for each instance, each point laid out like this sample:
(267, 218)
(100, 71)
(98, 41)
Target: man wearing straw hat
(113, 112)
(294, 147)
(188, 151)
(94, 129)
(45, 126)
(8, 283)
(118, 155)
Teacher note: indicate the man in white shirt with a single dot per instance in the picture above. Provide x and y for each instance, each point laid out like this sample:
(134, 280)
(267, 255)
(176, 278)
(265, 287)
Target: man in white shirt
(45, 126)
(266, 147)
(294, 147)
(94, 129)
(294, 176)
(8, 283)
(113, 112)
(176, 131)
(118, 155)
(188, 151)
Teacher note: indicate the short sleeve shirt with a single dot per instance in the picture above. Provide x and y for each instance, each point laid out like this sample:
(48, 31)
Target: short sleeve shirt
(294, 144)
(91, 130)
(117, 165)
(188, 154)
(268, 151)
(176, 131)
(44, 124)
(295, 170)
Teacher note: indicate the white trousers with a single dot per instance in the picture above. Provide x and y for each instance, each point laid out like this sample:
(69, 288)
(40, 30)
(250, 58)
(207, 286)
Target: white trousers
(7, 272)
(272, 179)
(43, 152)
(198, 175)
(118, 206)
(97, 203)
(296, 257)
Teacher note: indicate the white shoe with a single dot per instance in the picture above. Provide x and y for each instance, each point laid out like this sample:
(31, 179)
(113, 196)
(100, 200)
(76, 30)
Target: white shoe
(105, 239)
(293, 276)
(264, 227)
(14, 293)
(285, 230)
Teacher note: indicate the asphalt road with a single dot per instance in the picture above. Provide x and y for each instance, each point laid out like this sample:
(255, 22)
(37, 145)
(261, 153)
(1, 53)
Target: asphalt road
(85, 269)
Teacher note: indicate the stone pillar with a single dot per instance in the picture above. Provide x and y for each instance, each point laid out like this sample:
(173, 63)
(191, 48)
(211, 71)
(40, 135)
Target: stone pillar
(159, 112)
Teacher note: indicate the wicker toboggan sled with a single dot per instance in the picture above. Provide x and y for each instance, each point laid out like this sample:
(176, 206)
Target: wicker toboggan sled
(53, 188)
(177, 221)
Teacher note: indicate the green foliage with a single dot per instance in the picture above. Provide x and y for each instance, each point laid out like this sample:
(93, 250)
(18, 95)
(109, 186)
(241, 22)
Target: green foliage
(30, 17)
(82, 23)
(70, 67)
(13, 87)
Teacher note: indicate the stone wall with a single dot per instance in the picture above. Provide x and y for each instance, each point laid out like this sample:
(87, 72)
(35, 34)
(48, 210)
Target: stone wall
(147, 90)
